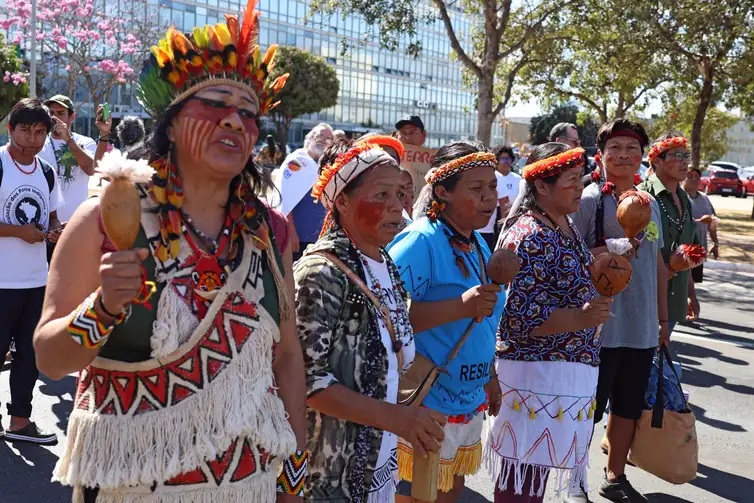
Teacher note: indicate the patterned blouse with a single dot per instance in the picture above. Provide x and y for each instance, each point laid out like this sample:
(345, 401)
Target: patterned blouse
(554, 274)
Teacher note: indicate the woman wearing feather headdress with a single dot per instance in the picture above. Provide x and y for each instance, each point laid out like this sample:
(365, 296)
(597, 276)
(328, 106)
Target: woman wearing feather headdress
(192, 382)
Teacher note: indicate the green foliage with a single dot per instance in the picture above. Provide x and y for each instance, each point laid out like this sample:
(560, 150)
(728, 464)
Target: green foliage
(312, 86)
(679, 117)
(9, 93)
(708, 44)
(541, 125)
(603, 58)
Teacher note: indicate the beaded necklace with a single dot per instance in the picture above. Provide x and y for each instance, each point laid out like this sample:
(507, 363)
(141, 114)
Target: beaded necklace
(209, 242)
(583, 252)
(22, 169)
(399, 316)
(462, 247)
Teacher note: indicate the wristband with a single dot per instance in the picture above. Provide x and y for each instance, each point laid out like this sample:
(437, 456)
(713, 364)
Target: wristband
(85, 326)
(293, 473)
(104, 309)
(103, 139)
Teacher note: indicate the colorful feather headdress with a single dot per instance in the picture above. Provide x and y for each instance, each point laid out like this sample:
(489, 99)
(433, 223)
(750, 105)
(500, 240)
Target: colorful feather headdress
(225, 53)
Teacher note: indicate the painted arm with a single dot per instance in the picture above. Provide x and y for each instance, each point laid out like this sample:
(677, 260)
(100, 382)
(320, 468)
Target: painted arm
(288, 365)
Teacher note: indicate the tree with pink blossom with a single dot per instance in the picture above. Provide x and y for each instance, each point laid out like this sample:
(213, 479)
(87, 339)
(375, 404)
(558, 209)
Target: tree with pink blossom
(14, 84)
(94, 42)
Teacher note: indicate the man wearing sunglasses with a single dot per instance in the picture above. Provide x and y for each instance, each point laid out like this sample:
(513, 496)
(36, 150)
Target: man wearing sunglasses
(669, 157)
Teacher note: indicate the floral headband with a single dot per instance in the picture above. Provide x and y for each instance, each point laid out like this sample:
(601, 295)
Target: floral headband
(553, 166)
(347, 166)
(475, 160)
(665, 145)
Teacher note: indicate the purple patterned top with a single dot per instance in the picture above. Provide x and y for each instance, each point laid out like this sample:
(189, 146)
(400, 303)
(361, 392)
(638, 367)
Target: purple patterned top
(553, 275)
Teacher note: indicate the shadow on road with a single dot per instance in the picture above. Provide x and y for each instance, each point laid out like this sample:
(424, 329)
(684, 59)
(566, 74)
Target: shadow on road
(665, 498)
(725, 485)
(701, 416)
(33, 465)
(469, 496)
(65, 387)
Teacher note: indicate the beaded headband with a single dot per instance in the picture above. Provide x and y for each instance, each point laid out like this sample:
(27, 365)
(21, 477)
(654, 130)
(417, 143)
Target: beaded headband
(467, 162)
(664, 145)
(383, 141)
(627, 133)
(225, 54)
(553, 166)
(346, 167)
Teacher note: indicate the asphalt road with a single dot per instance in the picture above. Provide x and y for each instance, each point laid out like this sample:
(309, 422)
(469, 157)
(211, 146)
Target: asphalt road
(718, 360)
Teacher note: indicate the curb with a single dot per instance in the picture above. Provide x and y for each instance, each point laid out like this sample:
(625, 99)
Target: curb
(718, 265)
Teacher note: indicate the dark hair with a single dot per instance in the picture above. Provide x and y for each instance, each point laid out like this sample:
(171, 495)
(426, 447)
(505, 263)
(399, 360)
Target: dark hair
(666, 136)
(444, 155)
(271, 145)
(333, 151)
(159, 146)
(30, 111)
(559, 130)
(504, 149)
(699, 171)
(130, 131)
(528, 202)
(609, 129)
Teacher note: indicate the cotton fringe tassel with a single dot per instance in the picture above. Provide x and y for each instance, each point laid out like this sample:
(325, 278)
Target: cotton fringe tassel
(173, 325)
(256, 491)
(128, 450)
(467, 462)
(385, 494)
(500, 469)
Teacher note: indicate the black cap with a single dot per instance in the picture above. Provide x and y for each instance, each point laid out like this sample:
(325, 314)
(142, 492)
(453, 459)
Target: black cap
(413, 120)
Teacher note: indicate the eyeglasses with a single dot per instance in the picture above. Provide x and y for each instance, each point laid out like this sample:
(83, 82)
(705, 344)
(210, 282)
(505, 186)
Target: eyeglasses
(679, 156)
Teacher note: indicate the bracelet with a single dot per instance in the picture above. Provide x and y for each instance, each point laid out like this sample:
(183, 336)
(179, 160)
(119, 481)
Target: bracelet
(85, 327)
(293, 473)
(102, 139)
(104, 309)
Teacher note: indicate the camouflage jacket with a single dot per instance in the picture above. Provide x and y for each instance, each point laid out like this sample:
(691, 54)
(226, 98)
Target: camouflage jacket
(340, 336)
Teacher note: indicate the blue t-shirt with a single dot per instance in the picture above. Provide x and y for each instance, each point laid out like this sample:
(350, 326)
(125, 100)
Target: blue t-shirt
(308, 216)
(428, 267)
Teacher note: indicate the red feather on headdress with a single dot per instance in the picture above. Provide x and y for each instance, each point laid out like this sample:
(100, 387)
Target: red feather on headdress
(249, 33)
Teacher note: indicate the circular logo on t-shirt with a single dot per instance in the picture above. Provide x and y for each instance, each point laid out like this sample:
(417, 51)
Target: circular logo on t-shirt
(26, 205)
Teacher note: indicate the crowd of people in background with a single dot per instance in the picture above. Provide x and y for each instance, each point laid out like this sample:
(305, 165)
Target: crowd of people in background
(350, 282)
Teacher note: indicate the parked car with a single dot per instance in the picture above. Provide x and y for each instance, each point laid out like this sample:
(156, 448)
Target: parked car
(747, 179)
(726, 165)
(718, 180)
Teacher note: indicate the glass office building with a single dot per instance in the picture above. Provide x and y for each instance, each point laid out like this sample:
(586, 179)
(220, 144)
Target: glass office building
(377, 86)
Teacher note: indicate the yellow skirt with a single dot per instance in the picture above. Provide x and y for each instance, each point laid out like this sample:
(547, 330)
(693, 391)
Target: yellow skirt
(460, 453)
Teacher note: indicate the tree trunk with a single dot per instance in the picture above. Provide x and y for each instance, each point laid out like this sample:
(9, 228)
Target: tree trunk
(705, 100)
(282, 126)
(485, 117)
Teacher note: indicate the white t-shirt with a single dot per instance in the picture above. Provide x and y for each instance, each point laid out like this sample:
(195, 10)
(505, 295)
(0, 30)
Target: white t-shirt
(387, 463)
(24, 199)
(507, 185)
(73, 181)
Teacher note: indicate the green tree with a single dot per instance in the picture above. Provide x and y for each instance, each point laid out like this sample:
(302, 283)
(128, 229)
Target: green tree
(312, 86)
(607, 61)
(539, 129)
(681, 116)
(13, 85)
(505, 38)
(706, 43)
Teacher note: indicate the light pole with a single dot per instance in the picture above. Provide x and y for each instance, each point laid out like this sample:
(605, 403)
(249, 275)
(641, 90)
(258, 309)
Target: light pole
(33, 57)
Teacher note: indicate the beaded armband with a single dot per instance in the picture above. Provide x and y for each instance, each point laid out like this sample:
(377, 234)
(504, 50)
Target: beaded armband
(85, 327)
(291, 478)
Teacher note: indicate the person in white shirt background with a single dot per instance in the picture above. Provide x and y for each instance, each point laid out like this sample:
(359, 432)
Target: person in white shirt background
(73, 156)
(508, 184)
(29, 197)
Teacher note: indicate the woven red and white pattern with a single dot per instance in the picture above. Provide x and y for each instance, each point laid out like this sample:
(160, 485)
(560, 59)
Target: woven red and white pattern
(467, 162)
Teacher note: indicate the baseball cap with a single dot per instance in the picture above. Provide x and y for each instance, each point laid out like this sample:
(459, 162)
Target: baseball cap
(413, 120)
(61, 100)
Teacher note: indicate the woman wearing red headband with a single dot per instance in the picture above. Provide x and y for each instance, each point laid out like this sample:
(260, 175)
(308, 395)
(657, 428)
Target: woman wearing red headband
(547, 355)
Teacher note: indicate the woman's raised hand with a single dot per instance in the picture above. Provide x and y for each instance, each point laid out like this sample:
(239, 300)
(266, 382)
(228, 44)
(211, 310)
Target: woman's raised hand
(120, 278)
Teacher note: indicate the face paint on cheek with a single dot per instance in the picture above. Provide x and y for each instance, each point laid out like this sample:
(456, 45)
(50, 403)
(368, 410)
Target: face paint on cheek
(370, 214)
(195, 134)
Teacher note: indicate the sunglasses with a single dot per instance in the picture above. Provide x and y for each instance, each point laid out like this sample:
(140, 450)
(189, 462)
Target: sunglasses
(679, 156)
